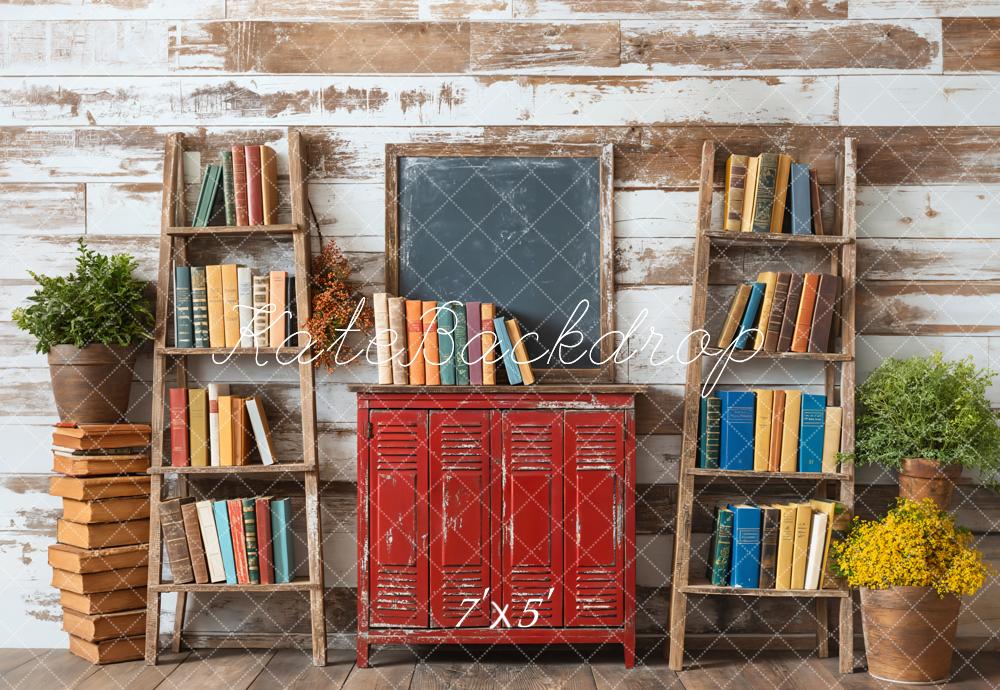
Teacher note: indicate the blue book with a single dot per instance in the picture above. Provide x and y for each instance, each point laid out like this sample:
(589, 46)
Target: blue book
(751, 315)
(461, 336)
(281, 539)
(507, 350)
(183, 308)
(812, 420)
(746, 546)
(736, 430)
(446, 343)
(221, 512)
(801, 199)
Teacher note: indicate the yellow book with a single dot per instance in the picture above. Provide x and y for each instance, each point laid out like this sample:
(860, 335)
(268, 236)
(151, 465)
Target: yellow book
(780, 192)
(786, 544)
(732, 205)
(520, 352)
(216, 323)
(226, 430)
(230, 304)
(736, 309)
(831, 438)
(198, 426)
(749, 194)
(490, 350)
(770, 280)
(762, 430)
(828, 508)
(269, 185)
(800, 551)
(790, 432)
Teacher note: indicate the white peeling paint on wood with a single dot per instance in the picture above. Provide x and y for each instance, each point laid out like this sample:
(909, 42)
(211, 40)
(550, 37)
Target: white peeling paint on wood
(50, 209)
(123, 209)
(113, 9)
(955, 259)
(947, 211)
(877, 9)
(677, 9)
(920, 100)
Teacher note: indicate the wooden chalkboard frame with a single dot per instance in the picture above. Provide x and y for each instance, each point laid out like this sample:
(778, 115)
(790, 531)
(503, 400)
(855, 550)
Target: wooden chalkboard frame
(605, 155)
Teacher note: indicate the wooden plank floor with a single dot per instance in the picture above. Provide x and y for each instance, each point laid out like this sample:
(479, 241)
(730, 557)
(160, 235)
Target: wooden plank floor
(478, 669)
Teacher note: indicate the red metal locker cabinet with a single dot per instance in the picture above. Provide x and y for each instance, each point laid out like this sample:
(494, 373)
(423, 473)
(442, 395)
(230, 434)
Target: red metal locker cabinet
(460, 509)
(398, 518)
(531, 474)
(594, 518)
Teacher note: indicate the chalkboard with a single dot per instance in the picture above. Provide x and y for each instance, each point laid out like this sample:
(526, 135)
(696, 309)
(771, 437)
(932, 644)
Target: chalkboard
(528, 229)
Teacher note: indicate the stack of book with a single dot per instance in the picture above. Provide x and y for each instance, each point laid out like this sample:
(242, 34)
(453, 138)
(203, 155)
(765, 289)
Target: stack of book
(782, 546)
(783, 312)
(770, 193)
(229, 306)
(447, 344)
(99, 562)
(769, 431)
(210, 427)
(238, 541)
(241, 189)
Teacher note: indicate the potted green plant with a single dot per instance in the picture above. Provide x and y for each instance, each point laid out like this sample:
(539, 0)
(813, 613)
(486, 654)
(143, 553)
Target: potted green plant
(928, 418)
(911, 567)
(90, 324)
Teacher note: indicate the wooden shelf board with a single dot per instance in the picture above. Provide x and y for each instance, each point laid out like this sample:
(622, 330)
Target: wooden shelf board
(277, 468)
(297, 585)
(278, 229)
(741, 592)
(753, 474)
(761, 238)
(805, 356)
(380, 389)
(185, 351)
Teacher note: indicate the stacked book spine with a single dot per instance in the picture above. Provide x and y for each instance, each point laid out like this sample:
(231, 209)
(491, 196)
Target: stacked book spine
(100, 561)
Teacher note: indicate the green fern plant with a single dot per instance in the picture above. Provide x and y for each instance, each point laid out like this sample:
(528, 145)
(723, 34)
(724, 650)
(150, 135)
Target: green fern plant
(100, 302)
(926, 407)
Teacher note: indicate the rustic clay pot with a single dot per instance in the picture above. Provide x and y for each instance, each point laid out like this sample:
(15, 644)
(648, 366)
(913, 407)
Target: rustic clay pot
(921, 478)
(909, 633)
(91, 384)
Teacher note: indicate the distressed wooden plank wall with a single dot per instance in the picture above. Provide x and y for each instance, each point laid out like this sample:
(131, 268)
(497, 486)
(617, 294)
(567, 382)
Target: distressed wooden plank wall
(89, 89)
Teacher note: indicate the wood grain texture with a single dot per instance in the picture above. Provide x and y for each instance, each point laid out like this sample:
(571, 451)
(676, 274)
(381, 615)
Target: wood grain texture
(840, 46)
(926, 100)
(534, 46)
(369, 9)
(54, 209)
(712, 9)
(970, 44)
(868, 9)
(113, 9)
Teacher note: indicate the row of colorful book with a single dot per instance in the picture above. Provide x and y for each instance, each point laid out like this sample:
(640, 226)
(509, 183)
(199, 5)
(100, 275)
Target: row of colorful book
(447, 344)
(99, 563)
(767, 430)
(771, 193)
(237, 541)
(780, 546)
(783, 312)
(241, 189)
(210, 427)
(229, 306)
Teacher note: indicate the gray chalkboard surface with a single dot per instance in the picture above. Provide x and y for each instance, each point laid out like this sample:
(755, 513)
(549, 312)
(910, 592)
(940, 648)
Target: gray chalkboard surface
(525, 232)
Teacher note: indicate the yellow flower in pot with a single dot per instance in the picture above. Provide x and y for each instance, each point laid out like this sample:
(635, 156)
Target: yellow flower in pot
(911, 567)
(928, 418)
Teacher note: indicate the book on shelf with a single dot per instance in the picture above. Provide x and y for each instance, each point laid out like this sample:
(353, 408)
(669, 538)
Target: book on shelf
(234, 507)
(821, 331)
(199, 306)
(261, 429)
(722, 546)
(276, 292)
(736, 433)
(383, 337)
(831, 510)
(803, 320)
(781, 176)
(777, 312)
(228, 187)
(175, 540)
(397, 340)
(432, 362)
(261, 314)
(771, 193)
(764, 400)
(832, 427)
(244, 291)
(817, 204)
(220, 510)
(520, 352)
(749, 193)
(746, 546)
(265, 551)
(268, 185)
(414, 341)
(474, 324)
(198, 437)
(446, 344)
(282, 543)
(489, 343)
(240, 429)
(709, 419)
(735, 185)
(239, 158)
(800, 548)
(250, 537)
(195, 546)
(812, 417)
(210, 208)
(215, 390)
(230, 305)
(764, 191)
(770, 280)
(226, 430)
(801, 200)
(735, 316)
(216, 318)
(814, 559)
(461, 336)
(750, 316)
(777, 428)
(183, 314)
(791, 311)
(179, 452)
(255, 198)
(790, 431)
(785, 546)
(769, 527)
(291, 311)
(507, 351)
(210, 541)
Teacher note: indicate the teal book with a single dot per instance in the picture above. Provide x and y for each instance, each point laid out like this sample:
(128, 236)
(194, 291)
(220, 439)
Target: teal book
(250, 536)
(767, 173)
(221, 511)
(750, 316)
(281, 539)
(812, 423)
(183, 317)
(801, 200)
(228, 187)
(207, 196)
(507, 352)
(199, 306)
(446, 344)
(461, 345)
(736, 429)
(746, 546)
(709, 419)
(722, 547)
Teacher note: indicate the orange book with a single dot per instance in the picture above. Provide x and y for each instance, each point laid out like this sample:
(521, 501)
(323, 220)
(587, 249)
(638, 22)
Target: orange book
(230, 306)
(276, 332)
(490, 355)
(239, 428)
(414, 341)
(803, 319)
(777, 424)
(269, 185)
(432, 366)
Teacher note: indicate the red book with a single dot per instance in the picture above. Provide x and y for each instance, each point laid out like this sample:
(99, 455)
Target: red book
(265, 554)
(474, 327)
(240, 184)
(179, 453)
(235, 508)
(255, 199)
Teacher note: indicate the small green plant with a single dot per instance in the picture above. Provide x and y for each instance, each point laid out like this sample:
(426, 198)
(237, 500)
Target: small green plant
(926, 407)
(99, 303)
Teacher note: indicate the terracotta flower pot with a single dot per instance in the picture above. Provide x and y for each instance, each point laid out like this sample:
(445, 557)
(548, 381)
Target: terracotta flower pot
(909, 633)
(91, 384)
(921, 478)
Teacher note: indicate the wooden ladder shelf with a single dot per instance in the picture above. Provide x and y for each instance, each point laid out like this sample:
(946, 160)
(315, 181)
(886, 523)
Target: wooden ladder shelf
(174, 239)
(842, 249)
